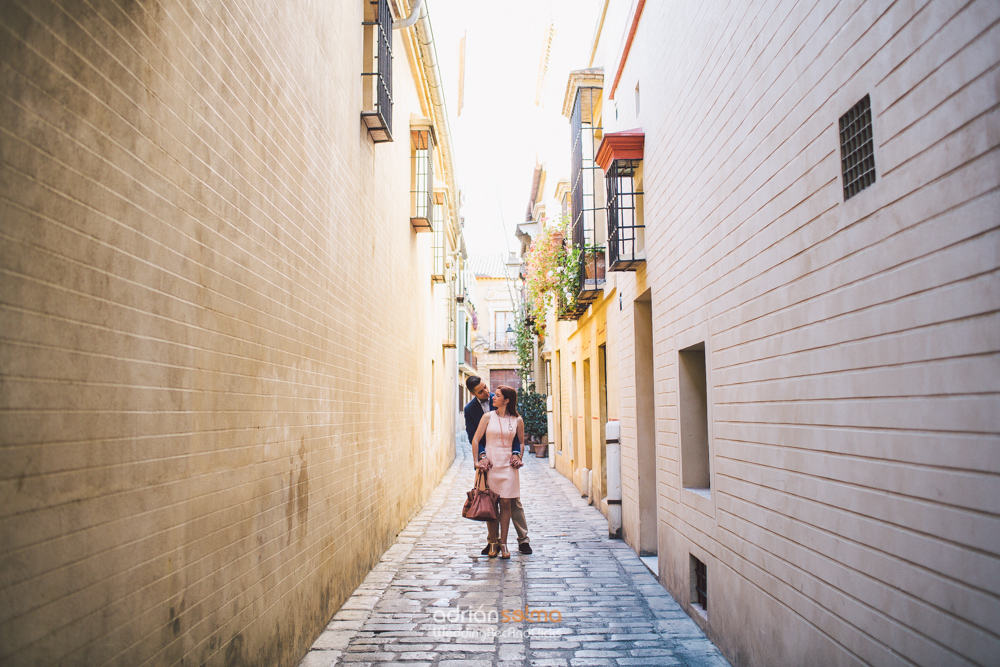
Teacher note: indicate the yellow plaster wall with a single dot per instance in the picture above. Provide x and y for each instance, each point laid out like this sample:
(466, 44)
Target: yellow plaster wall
(215, 331)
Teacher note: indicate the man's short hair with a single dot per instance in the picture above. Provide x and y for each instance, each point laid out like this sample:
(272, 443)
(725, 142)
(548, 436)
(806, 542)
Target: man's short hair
(472, 382)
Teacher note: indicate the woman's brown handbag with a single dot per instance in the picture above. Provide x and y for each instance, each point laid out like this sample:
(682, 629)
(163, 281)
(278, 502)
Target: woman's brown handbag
(481, 505)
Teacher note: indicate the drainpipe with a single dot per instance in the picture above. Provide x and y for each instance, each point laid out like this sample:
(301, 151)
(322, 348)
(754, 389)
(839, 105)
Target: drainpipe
(614, 453)
(411, 19)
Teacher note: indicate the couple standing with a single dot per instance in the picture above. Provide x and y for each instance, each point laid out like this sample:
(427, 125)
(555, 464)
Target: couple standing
(496, 432)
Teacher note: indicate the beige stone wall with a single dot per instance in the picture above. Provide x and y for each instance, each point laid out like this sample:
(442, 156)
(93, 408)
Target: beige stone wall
(215, 330)
(852, 346)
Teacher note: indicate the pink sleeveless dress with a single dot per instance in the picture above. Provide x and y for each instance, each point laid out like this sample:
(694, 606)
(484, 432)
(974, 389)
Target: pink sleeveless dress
(502, 478)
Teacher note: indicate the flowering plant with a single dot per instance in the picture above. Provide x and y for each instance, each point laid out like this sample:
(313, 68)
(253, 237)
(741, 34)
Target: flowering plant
(553, 270)
(474, 317)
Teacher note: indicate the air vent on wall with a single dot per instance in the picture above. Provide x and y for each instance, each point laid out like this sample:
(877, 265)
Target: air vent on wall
(857, 148)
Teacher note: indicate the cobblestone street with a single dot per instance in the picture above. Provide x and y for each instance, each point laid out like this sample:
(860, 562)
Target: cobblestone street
(433, 600)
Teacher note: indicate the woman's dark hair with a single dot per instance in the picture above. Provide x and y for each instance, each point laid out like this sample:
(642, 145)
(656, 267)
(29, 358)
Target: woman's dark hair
(511, 395)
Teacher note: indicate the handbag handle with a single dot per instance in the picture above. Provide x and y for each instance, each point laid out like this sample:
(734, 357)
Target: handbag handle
(480, 474)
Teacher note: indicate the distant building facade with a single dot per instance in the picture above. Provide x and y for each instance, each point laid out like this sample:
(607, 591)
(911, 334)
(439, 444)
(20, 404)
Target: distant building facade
(228, 321)
(798, 324)
(497, 303)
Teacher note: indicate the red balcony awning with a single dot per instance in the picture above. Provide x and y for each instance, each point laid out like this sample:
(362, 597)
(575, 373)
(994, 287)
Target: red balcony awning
(626, 145)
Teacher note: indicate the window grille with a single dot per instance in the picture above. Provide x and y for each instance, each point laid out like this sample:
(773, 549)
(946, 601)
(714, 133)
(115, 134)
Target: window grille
(626, 233)
(440, 208)
(857, 148)
(421, 179)
(587, 192)
(700, 581)
(502, 339)
(377, 115)
(451, 315)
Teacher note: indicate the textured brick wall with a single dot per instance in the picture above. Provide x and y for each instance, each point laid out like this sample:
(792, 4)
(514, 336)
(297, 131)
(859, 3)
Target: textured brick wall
(852, 345)
(210, 411)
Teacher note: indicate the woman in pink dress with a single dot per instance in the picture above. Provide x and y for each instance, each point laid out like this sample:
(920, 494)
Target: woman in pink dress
(495, 440)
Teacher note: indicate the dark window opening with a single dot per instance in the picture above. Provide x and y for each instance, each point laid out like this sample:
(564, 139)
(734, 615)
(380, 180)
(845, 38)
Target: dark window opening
(699, 583)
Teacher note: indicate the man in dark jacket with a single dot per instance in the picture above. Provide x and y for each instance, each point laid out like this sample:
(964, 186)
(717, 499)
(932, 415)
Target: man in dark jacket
(481, 403)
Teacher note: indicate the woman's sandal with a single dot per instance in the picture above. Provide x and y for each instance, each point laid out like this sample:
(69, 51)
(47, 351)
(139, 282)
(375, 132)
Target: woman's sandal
(494, 550)
(503, 552)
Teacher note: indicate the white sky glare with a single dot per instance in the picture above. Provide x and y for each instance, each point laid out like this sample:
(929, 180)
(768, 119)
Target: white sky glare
(501, 132)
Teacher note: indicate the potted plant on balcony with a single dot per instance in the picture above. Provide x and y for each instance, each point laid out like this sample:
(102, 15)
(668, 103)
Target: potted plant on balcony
(553, 273)
(594, 263)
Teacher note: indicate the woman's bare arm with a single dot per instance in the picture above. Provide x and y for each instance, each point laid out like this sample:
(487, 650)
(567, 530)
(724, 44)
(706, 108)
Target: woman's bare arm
(480, 432)
(518, 456)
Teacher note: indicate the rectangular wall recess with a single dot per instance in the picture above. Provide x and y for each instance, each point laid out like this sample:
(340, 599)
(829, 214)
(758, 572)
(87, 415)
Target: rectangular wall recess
(693, 399)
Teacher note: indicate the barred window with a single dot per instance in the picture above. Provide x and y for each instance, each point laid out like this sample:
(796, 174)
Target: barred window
(586, 199)
(626, 232)
(377, 112)
(421, 179)
(440, 213)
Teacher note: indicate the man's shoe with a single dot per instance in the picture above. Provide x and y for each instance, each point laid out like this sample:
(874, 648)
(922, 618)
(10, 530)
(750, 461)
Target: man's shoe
(524, 548)
(486, 549)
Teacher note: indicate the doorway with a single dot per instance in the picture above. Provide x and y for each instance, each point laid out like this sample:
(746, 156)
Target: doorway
(602, 420)
(588, 429)
(645, 414)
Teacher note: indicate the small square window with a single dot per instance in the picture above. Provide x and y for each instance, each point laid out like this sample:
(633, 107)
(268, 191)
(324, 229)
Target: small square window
(857, 148)
(699, 584)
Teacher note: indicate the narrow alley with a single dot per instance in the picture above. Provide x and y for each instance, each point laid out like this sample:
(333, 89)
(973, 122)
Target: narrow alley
(729, 270)
(433, 600)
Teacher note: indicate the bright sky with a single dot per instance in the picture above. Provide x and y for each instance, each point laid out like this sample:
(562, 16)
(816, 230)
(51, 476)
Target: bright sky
(501, 131)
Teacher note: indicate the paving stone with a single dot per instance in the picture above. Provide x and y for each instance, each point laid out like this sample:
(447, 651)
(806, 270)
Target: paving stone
(434, 601)
(333, 640)
(316, 658)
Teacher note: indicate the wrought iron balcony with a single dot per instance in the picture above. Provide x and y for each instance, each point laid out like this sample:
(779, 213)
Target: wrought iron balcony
(626, 233)
(377, 115)
(620, 155)
(587, 195)
(501, 342)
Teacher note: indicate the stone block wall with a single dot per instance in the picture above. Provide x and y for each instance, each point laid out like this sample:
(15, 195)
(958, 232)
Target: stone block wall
(213, 330)
(852, 346)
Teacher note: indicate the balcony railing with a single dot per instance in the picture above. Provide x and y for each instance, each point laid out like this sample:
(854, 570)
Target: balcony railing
(587, 196)
(626, 233)
(470, 359)
(377, 114)
(501, 343)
